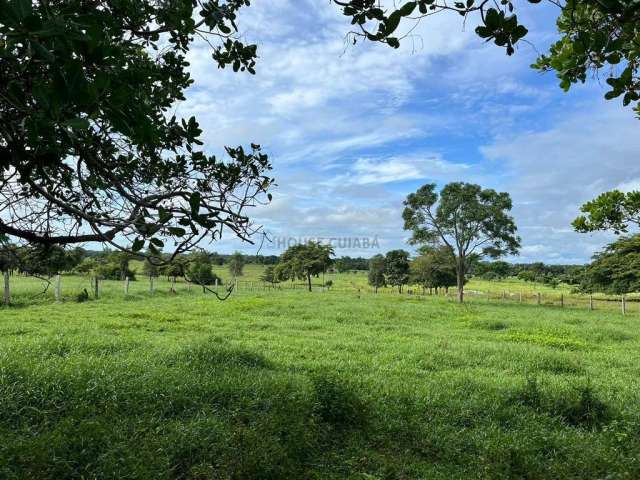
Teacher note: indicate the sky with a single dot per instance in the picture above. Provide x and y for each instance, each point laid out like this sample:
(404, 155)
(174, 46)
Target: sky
(352, 129)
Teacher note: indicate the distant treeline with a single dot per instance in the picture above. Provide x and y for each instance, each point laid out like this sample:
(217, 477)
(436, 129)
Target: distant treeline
(539, 272)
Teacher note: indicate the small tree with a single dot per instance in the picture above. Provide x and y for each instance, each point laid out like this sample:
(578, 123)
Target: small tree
(236, 264)
(466, 219)
(200, 271)
(377, 267)
(434, 268)
(303, 261)
(397, 268)
(270, 275)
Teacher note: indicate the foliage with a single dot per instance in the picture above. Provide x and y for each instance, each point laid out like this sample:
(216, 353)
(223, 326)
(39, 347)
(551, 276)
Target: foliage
(39, 259)
(270, 275)
(434, 268)
(465, 218)
(87, 136)
(616, 269)
(377, 269)
(595, 36)
(397, 268)
(346, 263)
(493, 270)
(113, 271)
(236, 264)
(200, 270)
(304, 260)
(614, 210)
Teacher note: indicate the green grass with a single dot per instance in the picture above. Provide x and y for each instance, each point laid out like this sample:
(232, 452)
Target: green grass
(316, 385)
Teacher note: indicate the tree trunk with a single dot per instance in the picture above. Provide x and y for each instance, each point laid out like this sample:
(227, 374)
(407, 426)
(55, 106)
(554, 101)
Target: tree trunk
(460, 274)
(309, 280)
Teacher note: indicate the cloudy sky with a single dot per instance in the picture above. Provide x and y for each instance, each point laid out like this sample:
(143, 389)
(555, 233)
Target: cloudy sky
(351, 130)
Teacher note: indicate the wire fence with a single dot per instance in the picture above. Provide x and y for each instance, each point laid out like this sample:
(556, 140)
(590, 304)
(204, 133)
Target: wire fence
(20, 290)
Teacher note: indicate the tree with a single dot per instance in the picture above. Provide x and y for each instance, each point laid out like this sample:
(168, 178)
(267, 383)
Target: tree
(200, 269)
(397, 268)
(377, 268)
(47, 259)
(236, 264)
(614, 210)
(434, 268)
(305, 260)
(595, 36)
(466, 219)
(270, 275)
(89, 148)
(615, 270)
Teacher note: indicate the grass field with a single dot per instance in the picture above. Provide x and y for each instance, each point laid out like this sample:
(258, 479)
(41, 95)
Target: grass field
(316, 385)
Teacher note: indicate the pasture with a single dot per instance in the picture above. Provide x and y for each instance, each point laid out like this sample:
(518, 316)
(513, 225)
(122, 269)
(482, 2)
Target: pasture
(290, 384)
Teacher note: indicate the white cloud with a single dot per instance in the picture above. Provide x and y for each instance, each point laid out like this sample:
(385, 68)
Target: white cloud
(350, 130)
(395, 169)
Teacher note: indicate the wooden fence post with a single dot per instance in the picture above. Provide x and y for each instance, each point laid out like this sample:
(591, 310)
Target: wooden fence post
(539, 299)
(151, 283)
(216, 284)
(173, 284)
(519, 297)
(96, 287)
(236, 285)
(624, 306)
(562, 300)
(58, 288)
(7, 294)
(590, 302)
(126, 285)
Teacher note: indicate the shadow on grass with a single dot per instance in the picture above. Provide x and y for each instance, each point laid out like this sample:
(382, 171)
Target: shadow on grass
(579, 407)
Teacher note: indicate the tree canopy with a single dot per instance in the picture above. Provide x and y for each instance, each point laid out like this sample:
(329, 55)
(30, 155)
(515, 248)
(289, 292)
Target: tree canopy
(597, 38)
(377, 268)
(616, 269)
(397, 268)
(236, 264)
(304, 260)
(89, 148)
(465, 218)
(435, 267)
(614, 210)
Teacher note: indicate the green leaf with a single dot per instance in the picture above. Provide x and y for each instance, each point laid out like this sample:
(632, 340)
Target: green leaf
(138, 243)
(194, 202)
(157, 242)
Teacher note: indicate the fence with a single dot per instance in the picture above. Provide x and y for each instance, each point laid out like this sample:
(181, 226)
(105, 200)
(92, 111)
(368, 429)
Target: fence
(63, 288)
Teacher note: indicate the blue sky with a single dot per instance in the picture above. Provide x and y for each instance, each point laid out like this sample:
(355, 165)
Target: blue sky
(351, 130)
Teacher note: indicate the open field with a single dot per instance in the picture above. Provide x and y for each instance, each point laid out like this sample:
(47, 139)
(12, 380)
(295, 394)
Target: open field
(28, 291)
(297, 385)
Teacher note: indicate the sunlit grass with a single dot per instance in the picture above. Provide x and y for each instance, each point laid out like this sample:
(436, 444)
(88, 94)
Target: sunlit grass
(290, 384)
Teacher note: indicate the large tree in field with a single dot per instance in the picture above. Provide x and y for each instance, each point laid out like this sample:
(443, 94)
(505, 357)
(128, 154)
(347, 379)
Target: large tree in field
(89, 147)
(304, 261)
(597, 38)
(465, 218)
